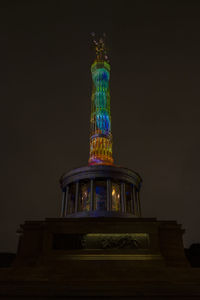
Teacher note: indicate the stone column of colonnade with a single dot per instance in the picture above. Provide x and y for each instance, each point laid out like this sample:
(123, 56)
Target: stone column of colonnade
(135, 199)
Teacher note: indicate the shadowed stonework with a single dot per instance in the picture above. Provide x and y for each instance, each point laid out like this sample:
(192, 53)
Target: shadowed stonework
(104, 257)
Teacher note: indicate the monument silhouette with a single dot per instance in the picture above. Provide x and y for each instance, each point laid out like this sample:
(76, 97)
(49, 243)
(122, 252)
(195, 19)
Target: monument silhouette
(100, 246)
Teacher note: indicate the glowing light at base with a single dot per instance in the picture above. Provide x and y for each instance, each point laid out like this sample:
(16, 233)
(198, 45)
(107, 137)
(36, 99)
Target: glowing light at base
(100, 123)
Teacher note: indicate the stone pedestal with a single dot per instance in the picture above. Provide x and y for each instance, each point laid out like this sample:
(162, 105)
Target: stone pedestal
(104, 257)
(133, 241)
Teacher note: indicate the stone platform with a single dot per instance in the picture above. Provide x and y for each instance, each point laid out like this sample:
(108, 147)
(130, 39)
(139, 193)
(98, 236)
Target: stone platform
(117, 258)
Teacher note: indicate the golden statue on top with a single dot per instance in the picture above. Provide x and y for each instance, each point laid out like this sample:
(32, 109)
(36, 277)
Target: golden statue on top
(100, 48)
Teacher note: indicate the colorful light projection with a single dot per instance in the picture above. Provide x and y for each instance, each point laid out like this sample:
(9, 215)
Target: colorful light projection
(100, 123)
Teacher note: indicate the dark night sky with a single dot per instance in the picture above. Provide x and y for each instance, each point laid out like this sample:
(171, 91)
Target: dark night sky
(45, 104)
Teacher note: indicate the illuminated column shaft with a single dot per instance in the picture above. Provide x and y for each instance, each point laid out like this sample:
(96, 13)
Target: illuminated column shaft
(100, 123)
